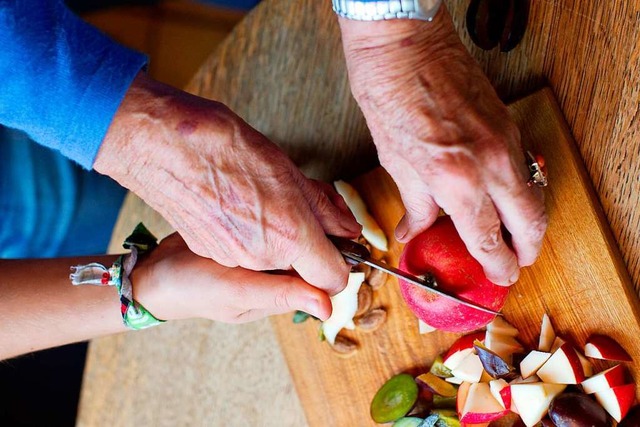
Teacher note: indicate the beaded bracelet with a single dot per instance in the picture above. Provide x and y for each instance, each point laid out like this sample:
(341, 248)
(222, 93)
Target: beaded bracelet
(134, 315)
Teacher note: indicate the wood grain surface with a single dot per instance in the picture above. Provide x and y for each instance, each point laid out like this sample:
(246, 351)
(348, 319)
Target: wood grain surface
(579, 280)
(282, 70)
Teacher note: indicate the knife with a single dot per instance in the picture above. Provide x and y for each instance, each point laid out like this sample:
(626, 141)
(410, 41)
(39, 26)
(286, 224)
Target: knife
(355, 253)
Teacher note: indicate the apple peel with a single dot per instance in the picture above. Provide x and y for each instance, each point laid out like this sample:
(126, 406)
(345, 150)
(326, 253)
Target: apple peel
(344, 307)
(370, 228)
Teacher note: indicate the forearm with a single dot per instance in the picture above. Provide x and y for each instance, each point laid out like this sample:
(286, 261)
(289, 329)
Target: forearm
(40, 308)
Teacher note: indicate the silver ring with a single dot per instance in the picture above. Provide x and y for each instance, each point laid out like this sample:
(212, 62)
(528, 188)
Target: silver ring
(537, 173)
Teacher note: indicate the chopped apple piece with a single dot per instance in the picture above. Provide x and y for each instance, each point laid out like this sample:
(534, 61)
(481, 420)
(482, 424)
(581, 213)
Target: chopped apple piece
(370, 228)
(617, 400)
(345, 305)
(470, 369)
(424, 328)
(532, 400)
(604, 347)
(453, 380)
(481, 406)
(557, 343)
(563, 367)
(547, 335)
(502, 392)
(503, 345)
(612, 377)
(520, 380)
(533, 362)
(461, 348)
(501, 327)
(587, 367)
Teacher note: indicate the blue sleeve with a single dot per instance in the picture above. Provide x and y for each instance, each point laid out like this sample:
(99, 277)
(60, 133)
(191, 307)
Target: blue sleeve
(61, 80)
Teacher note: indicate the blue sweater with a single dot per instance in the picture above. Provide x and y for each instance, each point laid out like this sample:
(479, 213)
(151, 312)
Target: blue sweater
(61, 82)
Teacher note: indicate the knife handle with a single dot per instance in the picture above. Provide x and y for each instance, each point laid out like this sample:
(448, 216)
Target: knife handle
(351, 250)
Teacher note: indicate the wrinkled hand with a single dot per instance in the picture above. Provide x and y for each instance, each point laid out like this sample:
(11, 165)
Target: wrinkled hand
(446, 139)
(174, 283)
(231, 193)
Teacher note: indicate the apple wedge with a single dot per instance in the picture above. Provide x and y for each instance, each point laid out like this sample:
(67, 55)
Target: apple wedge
(617, 400)
(547, 334)
(563, 367)
(604, 347)
(345, 305)
(370, 228)
(612, 377)
(502, 327)
(481, 406)
(453, 380)
(470, 369)
(587, 367)
(557, 343)
(424, 328)
(534, 361)
(501, 391)
(532, 400)
(461, 348)
(503, 345)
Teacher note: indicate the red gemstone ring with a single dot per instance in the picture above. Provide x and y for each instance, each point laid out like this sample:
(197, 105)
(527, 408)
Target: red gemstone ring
(537, 170)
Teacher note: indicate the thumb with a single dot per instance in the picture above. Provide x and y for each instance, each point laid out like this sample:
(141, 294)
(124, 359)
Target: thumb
(420, 213)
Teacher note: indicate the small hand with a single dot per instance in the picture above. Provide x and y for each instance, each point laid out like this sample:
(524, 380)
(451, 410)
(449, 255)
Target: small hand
(174, 283)
(230, 192)
(446, 139)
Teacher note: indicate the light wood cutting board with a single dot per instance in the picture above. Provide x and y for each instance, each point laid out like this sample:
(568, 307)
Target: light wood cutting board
(579, 280)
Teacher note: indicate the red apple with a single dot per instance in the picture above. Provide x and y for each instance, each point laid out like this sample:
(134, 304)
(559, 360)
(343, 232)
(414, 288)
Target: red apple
(440, 251)
(547, 334)
(563, 367)
(617, 400)
(604, 347)
(532, 400)
(502, 392)
(610, 378)
(462, 347)
(481, 406)
(534, 361)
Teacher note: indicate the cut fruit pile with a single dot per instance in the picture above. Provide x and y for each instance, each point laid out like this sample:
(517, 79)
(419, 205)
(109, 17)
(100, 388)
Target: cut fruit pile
(478, 383)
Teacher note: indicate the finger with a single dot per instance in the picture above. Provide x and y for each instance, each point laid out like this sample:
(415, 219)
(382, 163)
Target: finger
(319, 262)
(268, 294)
(420, 211)
(479, 226)
(521, 209)
(330, 209)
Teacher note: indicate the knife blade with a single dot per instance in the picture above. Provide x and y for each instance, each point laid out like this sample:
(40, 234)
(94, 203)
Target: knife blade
(355, 253)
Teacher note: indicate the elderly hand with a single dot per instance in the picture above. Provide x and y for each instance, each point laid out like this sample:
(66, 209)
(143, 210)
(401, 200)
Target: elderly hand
(446, 139)
(173, 283)
(230, 192)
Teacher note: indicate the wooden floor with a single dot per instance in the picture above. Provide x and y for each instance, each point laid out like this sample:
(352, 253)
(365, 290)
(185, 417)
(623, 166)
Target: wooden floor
(178, 35)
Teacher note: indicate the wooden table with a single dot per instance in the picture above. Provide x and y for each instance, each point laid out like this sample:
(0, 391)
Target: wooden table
(282, 70)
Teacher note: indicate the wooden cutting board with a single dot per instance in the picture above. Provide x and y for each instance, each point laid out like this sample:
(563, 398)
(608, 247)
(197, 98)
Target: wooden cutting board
(579, 280)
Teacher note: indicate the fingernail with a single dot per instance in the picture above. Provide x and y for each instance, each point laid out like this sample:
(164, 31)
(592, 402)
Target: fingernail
(402, 229)
(514, 278)
(351, 225)
(313, 308)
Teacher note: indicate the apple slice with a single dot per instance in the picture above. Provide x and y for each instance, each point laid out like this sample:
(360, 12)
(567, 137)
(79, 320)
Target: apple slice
(463, 392)
(604, 347)
(370, 228)
(612, 377)
(547, 334)
(503, 345)
(557, 343)
(501, 392)
(534, 361)
(617, 400)
(587, 367)
(470, 369)
(501, 327)
(453, 380)
(532, 400)
(520, 380)
(424, 328)
(461, 348)
(563, 367)
(345, 305)
(481, 406)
